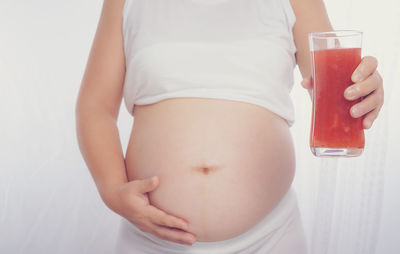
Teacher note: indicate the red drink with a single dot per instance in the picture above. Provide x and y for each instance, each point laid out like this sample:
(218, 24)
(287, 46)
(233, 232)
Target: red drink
(332, 125)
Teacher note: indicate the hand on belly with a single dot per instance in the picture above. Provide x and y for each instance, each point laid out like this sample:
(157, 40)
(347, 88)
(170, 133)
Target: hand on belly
(222, 165)
(135, 206)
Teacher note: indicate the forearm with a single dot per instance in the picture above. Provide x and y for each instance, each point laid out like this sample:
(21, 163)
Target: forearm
(311, 16)
(100, 145)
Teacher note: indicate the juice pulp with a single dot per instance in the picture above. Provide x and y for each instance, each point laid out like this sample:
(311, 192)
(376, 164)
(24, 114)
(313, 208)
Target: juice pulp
(332, 125)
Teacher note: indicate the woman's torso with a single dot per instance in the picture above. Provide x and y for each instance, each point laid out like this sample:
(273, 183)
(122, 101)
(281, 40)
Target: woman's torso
(223, 165)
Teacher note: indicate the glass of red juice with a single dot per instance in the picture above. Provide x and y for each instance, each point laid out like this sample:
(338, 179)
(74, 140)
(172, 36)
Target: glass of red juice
(334, 57)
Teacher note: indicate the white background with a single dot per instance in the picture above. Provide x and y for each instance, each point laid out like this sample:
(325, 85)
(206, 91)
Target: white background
(48, 201)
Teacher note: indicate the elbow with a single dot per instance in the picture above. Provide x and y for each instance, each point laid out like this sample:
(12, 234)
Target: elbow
(82, 110)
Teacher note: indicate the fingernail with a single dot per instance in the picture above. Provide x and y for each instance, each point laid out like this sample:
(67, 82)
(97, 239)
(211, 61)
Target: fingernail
(185, 225)
(190, 240)
(356, 76)
(351, 92)
(354, 111)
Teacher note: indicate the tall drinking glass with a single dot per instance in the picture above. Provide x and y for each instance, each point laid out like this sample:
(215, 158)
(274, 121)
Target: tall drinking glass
(334, 56)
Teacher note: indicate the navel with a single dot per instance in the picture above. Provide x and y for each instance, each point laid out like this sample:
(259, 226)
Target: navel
(205, 170)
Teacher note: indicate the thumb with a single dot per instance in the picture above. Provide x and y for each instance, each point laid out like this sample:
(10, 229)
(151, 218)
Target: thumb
(307, 83)
(148, 184)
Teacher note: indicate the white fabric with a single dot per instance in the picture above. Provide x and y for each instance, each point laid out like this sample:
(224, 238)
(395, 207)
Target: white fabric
(48, 201)
(235, 49)
(280, 232)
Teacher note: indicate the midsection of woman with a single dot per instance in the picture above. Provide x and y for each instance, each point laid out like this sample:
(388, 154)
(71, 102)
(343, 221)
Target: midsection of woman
(223, 165)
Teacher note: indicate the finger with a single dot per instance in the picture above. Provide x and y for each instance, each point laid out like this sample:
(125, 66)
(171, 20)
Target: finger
(175, 235)
(363, 88)
(371, 117)
(367, 66)
(162, 218)
(147, 185)
(371, 102)
(307, 83)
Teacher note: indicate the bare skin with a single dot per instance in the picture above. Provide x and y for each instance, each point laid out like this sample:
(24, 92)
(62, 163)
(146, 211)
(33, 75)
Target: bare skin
(311, 16)
(100, 97)
(223, 165)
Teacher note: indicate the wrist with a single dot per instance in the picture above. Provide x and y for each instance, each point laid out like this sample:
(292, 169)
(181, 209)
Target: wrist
(111, 198)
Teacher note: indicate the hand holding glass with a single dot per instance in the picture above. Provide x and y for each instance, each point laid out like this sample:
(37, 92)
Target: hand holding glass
(334, 132)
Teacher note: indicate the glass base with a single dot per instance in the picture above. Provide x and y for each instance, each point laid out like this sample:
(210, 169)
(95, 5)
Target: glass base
(336, 152)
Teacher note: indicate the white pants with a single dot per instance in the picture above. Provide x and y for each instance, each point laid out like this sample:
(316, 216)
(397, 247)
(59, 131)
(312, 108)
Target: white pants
(280, 232)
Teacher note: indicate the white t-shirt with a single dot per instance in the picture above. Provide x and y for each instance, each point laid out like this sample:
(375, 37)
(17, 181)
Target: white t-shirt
(239, 50)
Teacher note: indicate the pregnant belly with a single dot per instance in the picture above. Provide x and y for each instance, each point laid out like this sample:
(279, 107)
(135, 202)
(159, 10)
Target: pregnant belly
(223, 165)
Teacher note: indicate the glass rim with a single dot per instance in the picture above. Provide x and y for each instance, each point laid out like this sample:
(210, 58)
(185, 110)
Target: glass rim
(335, 34)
